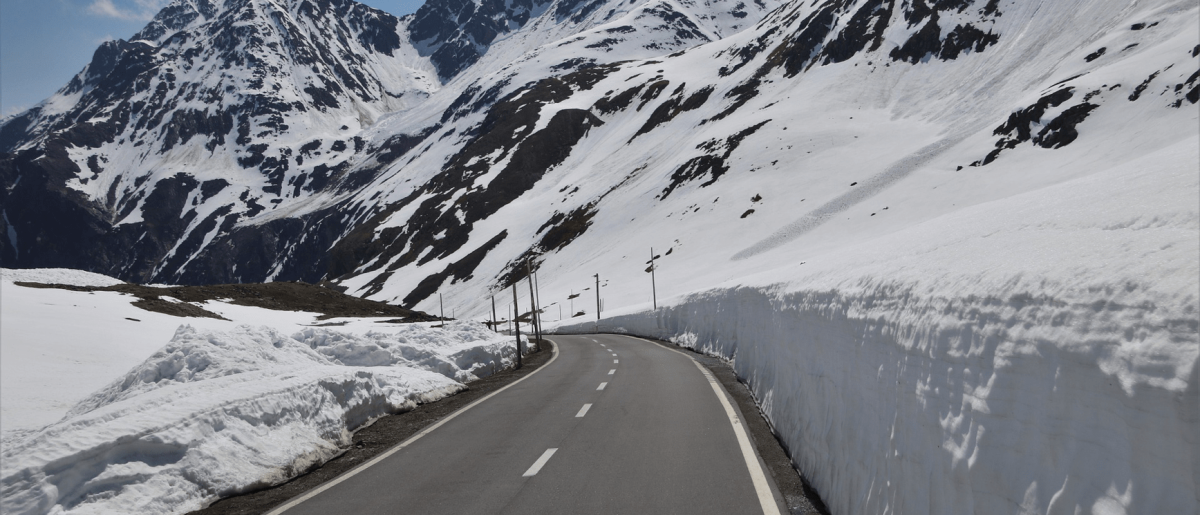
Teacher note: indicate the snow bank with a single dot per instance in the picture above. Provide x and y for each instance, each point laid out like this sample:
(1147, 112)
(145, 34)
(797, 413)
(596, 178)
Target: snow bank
(48, 334)
(215, 413)
(58, 276)
(1033, 355)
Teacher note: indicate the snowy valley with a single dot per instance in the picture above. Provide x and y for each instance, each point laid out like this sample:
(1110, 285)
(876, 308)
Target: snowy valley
(953, 246)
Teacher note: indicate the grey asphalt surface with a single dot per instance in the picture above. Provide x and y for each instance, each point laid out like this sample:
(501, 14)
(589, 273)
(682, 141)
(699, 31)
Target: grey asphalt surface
(655, 440)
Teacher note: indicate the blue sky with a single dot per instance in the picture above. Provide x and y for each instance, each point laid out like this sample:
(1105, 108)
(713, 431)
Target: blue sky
(43, 43)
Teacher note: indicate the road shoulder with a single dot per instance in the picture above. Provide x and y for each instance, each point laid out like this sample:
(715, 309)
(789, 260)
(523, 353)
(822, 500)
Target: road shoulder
(801, 498)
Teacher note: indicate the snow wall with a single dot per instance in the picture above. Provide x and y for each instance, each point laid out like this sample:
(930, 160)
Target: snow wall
(892, 400)
(219, 413)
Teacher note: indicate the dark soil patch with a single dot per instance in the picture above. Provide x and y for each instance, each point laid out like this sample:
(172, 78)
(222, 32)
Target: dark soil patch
(280, 296)
(373, 440)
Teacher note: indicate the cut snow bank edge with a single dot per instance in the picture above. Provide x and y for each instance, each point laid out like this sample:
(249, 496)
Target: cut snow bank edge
(897, 402)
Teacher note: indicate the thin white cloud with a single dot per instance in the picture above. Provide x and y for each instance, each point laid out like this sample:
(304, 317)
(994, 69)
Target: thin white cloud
(13, 111)
(141, 10)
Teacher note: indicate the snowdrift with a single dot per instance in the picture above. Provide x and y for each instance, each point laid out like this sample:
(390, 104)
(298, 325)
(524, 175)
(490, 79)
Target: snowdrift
(216, 413)
(1032, 355)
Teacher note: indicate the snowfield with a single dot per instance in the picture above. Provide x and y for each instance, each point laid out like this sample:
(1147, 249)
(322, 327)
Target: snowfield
(1029, 355)
(222, 408)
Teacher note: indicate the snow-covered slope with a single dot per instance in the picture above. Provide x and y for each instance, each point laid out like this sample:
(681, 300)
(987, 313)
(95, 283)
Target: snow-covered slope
(829, 147)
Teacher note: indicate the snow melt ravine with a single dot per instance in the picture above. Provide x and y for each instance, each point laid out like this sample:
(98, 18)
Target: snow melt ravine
(103, 414)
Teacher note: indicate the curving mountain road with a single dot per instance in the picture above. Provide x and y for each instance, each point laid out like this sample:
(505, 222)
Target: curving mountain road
(612, 424)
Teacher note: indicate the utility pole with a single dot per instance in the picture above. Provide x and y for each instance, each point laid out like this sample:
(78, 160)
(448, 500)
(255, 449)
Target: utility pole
(517, 323)
(537, 331)
(538, 295)
(494, 328)
(653, 288)
(597, 302)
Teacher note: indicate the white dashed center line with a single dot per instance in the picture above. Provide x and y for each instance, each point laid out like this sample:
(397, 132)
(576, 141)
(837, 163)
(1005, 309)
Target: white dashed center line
(602, 385)
(616, 361)
(583, 410)
(611, 372)
(541, 462)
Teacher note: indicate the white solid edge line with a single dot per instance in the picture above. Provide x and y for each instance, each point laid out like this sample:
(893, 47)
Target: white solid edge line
(354, 471)
(761, 487)
(541, 462)
(602, 385)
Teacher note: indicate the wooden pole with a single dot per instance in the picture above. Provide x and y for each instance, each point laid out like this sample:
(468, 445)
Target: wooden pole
(538, 295)
(533, 318)
(517, 323)
(597, 302)
(494, 328)
(653, 288)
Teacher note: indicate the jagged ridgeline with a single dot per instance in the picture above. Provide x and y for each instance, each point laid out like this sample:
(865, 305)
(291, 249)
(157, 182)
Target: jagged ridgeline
(456, 148)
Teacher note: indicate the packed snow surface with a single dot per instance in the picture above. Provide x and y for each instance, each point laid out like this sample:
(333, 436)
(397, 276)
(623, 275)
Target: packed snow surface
(223, 407)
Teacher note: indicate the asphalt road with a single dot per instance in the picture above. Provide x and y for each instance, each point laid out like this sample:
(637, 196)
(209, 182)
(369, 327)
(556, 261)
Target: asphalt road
(612, 425)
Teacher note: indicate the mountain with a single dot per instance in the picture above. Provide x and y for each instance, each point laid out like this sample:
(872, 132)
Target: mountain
(270, 140)
(224, 137)
(950, 245)
(203, 118)
(754, 152)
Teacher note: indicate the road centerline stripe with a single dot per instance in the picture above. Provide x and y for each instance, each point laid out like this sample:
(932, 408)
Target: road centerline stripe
(583, 411)
(611, 372)
(541, 462)
(602, 385)
(616, 361)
